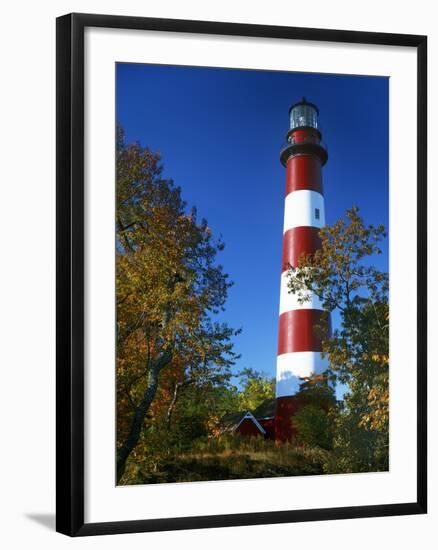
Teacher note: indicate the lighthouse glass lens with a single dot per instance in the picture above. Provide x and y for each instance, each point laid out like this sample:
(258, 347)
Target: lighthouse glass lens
(303, 115)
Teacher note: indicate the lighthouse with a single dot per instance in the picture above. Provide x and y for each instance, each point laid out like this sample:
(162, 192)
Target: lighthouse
(299, 340)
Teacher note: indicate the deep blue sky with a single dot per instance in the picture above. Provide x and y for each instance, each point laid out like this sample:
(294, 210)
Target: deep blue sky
(219, 132)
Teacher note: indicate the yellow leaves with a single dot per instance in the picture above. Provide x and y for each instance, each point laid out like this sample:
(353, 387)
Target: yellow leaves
(378, 403)
(382, 359)
(213, 425)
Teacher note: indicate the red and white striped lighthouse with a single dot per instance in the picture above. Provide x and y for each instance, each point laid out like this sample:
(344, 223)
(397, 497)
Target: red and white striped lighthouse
(299, 342)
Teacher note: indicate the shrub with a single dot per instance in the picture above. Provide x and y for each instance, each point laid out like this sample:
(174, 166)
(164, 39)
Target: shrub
(313, 427)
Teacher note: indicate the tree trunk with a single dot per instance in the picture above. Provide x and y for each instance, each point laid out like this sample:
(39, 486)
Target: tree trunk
(140, 412)
(173, 403)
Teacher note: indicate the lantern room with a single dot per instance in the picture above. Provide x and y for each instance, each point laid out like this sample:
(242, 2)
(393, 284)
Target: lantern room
(303, 115)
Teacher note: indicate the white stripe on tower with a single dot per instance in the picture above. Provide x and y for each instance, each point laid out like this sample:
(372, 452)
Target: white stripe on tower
(289, 301)
(304, 209)
(304, 364)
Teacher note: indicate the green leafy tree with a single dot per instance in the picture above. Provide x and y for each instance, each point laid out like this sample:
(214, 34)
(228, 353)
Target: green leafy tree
(256, 388)
(313, 426)
(342, 275)
(312, 421)
(169, 289)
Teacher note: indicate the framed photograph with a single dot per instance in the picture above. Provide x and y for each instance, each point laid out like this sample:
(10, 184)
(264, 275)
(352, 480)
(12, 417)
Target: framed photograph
(241, 274)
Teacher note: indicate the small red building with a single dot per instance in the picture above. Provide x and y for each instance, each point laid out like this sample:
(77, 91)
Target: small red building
(259, 422)
(249, 426)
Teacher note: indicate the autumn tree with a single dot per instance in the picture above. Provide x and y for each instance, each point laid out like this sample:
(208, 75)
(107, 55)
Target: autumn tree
(169, 289)
(342, 275)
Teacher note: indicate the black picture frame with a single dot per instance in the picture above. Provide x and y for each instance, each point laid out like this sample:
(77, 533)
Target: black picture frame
(70, 273)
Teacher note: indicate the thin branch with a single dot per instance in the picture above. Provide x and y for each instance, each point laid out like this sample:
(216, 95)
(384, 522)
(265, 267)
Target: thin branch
(128, 395)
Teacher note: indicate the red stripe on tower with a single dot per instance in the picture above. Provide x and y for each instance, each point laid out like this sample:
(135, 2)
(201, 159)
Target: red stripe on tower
(299, 336)
(298, 241)
(303, 172)
(300, 330)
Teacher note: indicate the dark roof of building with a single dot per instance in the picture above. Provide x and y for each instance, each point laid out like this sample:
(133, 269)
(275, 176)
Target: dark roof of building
(265, 409)
(231, 420)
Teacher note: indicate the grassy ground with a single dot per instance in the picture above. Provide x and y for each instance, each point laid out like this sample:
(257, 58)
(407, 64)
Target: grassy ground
(239, 458)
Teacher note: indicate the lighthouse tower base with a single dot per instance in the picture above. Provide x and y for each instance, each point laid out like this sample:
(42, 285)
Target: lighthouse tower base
(287, 407)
